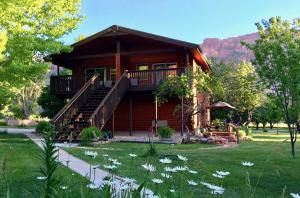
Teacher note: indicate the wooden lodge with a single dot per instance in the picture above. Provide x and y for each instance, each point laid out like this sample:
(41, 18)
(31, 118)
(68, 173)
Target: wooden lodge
(114, 75)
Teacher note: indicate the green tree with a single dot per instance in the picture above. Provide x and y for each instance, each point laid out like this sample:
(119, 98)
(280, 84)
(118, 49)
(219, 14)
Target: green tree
(277, 60)
(29, 31)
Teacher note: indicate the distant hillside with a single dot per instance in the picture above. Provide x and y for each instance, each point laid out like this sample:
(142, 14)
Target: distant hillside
(229, 48)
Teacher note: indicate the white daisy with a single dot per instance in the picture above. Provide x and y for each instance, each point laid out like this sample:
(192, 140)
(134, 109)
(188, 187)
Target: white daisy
(180, 157)
(172, 190)
(223, 173)
(165, 161)
(192, 171)
(91, 186)
(192, 183)
(166, 175)
(149, 167)
(132, 155)
(41, 178)
(64, 187)
(217, 175)
(105, 155)
(169, 169)
(157, 181)
(91, 154)
(214, 189)
(294, 195)
(181, 168)
(117, 163)
(129, 180)
(247, 163)
(110, 167)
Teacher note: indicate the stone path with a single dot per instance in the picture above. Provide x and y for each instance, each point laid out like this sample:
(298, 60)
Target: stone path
(80, 166)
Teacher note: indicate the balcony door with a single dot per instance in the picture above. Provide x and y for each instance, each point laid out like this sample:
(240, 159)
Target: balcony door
(90, 72)
(161, 75)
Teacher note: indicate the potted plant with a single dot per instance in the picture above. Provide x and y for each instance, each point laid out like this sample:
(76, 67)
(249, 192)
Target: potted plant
(90, 135)
(217, 123)
(165, 133)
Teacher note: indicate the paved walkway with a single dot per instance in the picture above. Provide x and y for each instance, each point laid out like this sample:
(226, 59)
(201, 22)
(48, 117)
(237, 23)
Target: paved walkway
(78, 165)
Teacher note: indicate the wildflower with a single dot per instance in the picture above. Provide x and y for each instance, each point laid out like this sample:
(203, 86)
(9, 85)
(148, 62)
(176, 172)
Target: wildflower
(172, 190)
(72, 174)
(166, 175)
(91, 154)
(157, 181)
(105, 155)
(165, 161)
(223, 173)
(64, 187)
(91, 186)
(169, 169)
(41, 178)
(214, 189)
(149, 167)
(192, 183)
(181, 168)
(129, 180)
(180, 157)
(247, 163)
(117, 163)
(192, 171)
(217, 175)
(110, 167)
(112, 160)
(132, 155)
(294, 195)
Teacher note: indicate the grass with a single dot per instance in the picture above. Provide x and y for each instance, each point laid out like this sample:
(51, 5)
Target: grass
(274, 169)
(21, 167)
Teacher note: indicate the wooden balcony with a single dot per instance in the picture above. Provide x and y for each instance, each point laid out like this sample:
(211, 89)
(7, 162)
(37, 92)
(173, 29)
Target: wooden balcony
(62, 85)
(150, 79)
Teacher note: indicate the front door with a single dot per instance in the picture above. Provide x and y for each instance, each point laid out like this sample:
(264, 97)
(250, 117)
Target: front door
(90, 72)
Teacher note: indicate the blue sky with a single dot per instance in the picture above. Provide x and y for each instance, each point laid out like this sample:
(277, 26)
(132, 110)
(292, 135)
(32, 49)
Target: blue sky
(189, 20)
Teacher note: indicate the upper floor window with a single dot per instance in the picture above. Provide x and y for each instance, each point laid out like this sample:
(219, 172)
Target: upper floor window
(164, 66)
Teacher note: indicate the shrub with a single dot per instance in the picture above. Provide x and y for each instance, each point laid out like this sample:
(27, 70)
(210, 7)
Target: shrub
(165, 132)
(43, 126)
(206, 134)
(265, 130)
(241, 133)
(217, 122)
(2, 123)
(90, 133)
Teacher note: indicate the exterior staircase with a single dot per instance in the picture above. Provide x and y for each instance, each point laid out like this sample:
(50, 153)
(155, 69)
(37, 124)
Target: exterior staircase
(92, 105)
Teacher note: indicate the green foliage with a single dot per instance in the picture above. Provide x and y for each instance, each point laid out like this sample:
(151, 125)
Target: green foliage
(242, 133)
(151, 151)
(90, 133)
(277, 60)
(29, 31)
(50, 165)
(165, 132)
(217, 122)
(50, 103)
(3, 123)
(43, 126)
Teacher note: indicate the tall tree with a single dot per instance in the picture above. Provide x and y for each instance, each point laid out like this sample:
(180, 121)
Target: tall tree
(30, 30)
(278, 64)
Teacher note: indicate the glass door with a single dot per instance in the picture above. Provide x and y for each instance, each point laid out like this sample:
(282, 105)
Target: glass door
(90, 72)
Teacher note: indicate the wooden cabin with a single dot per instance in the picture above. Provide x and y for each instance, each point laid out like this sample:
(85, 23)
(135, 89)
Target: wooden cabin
(114, 75)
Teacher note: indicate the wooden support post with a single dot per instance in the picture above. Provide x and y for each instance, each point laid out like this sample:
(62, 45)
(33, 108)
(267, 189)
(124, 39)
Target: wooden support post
(182, 116)
(118, 60)
(113, 124)
(155, 121)
(130, 115)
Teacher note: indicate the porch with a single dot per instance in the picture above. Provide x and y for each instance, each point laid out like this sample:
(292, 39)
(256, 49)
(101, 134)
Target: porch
(142, 80)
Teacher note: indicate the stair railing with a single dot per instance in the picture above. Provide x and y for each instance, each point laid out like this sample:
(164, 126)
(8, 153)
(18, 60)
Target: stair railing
(108, 105)
(71, 108)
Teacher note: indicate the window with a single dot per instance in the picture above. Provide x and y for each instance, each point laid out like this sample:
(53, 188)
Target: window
(113, 73)
(165, 66)
(142, 75)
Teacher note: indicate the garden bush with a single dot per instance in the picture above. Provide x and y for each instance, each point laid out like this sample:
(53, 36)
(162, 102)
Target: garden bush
(90, 133)
(241, 133)
(3, 123)
(165, 132)
(265, 130)
(43, 126)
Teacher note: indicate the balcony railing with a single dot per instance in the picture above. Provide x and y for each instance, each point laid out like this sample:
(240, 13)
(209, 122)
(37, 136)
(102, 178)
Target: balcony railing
(62, 85)
(150, 79)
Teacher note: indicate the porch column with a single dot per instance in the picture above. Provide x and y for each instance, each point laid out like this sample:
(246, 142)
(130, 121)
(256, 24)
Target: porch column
(155, 119)
(118, 61)
(57, 72)
(130, 115)
(113, 124)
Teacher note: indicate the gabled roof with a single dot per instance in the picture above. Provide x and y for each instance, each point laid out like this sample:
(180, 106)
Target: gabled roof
(119, 31)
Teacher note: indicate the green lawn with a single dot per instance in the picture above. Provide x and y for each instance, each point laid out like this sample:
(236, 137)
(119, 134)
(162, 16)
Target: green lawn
(21, 169)
(274, 170)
